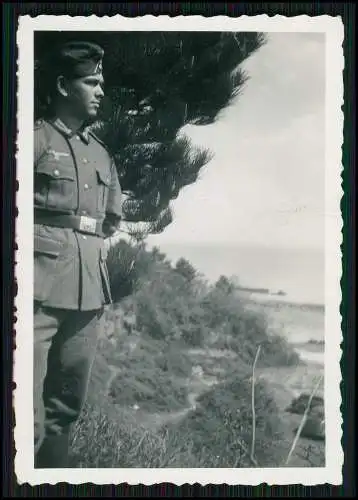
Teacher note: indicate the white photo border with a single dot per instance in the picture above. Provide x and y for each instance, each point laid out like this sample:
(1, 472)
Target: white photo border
(25, 472)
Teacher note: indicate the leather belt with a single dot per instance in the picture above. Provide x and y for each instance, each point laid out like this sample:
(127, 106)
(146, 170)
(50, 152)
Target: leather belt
(80, 223)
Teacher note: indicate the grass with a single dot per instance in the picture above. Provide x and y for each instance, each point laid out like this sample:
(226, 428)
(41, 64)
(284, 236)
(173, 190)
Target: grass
(173, 388)
(105, 437)
(216, 434)
(111, 433)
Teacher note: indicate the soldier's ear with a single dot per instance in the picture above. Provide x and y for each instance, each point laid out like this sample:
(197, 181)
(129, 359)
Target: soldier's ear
(62, 86)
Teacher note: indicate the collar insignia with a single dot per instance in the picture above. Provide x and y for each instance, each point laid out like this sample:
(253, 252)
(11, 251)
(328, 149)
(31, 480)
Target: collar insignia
(65, 130)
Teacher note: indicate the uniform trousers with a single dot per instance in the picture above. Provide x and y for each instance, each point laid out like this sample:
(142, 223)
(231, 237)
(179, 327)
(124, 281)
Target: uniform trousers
(65, 344)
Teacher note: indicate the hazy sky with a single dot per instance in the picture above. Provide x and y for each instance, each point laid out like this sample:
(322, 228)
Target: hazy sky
(265, 185)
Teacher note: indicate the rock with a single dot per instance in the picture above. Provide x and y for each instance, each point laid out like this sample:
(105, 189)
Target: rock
(197, 371)
(314, 427)
(299, 405)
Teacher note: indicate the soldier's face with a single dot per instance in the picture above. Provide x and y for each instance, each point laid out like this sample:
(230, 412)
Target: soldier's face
(84, 95)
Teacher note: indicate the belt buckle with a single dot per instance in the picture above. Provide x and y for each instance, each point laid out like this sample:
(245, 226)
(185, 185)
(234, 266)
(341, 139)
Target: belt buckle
(88, 224)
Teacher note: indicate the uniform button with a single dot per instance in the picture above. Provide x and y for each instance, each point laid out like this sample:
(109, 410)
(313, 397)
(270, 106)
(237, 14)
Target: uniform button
(84, 212)
(84, 237)
(86, 186)
(56, 173)
(78, 137)
(85, 160)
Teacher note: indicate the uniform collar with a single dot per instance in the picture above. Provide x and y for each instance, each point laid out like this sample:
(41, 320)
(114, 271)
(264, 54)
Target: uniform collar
(61, 127)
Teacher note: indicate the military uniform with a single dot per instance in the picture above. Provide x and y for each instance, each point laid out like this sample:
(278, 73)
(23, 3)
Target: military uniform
(75, 176)
(76, 190)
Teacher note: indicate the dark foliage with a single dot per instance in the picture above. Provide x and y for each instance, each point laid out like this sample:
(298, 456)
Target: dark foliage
(155, 84)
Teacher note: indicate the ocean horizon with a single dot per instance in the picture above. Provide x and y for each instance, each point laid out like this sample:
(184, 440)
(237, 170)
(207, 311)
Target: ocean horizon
(298, 273)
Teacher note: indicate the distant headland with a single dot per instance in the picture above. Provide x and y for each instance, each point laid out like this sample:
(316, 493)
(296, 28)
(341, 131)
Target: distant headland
(264, 291)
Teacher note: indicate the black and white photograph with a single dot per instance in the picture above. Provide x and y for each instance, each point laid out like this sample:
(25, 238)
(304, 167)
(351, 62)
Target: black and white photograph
(179, 260)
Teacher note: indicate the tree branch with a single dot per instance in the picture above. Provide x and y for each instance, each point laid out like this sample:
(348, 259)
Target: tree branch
(253, 405)
(246, 451)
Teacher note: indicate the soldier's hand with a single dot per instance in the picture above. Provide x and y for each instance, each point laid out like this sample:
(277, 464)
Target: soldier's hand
(109, 229)
(110, 225)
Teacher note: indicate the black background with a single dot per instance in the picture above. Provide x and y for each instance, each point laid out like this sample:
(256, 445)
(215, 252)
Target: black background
(11, 12)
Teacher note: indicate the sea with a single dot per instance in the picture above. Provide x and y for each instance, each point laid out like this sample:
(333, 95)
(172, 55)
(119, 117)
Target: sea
(299, 273)
(296, 272)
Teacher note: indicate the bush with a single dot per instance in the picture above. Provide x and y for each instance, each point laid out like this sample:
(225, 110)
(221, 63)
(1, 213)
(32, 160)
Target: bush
(222, 425)
(171, 311)
(243, 330)
(151, 390)
(151, 376)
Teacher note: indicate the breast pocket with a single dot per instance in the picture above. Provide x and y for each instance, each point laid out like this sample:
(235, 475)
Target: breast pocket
(47, 254)
(103, 184)
(55, 185)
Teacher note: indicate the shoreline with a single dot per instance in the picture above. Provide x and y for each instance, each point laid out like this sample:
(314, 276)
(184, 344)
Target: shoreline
(206, 369)
(273, 299)
(311, 351)
(303, 329)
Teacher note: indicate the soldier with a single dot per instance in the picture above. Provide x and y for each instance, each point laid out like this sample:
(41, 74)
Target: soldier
(77, 204)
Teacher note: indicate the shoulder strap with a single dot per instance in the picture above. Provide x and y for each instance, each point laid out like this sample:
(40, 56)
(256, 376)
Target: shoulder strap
(109, 152)
(41, 125)
(97, 138)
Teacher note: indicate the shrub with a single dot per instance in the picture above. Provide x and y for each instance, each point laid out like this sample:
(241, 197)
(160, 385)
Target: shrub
(151, 376)
(170, 312)
(222, 425)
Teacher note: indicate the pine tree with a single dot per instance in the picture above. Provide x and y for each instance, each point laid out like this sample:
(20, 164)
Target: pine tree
(155, 84)
(185, 269)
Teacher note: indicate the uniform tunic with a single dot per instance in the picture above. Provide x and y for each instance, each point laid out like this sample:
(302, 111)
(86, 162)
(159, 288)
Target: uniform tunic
(73, 174)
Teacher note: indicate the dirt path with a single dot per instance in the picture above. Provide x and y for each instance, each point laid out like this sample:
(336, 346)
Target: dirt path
(160, 419)
(212, 353)
(156, 420)
(198, 383)
(114, 371)
(285, 384)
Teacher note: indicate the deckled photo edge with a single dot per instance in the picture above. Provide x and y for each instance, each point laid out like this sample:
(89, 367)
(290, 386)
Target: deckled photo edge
(333, 240)
(24, 470)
